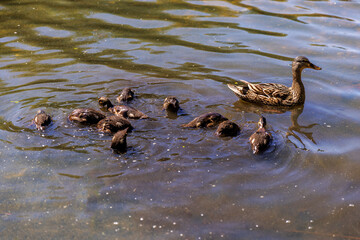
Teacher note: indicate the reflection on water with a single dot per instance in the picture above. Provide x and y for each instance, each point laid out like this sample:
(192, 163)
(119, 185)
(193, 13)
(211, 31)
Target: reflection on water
(176, 183)
(295, 132)
(295, 127)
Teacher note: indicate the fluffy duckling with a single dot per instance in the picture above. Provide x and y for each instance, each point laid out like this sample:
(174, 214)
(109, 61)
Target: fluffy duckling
(118, 141)
(121, 110)
(126, 95)
(41, 120)
(171, 104)
(206, 120)
(86, 116)
(227, 129)
(276, 94)
(113, 124)
(260, 140)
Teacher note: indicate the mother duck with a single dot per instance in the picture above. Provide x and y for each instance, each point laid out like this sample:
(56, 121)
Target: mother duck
(276, 94)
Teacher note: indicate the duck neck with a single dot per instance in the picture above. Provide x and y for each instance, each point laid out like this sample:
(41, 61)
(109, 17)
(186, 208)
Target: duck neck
(298, 89)
(109, 105)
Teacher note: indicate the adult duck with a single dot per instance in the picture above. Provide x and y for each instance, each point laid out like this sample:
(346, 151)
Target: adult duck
(276, 94)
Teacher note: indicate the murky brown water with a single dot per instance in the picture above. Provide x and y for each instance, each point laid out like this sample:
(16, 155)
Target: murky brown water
(174, 183)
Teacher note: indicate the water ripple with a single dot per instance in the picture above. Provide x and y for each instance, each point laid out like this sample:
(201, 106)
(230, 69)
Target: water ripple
(173, 182)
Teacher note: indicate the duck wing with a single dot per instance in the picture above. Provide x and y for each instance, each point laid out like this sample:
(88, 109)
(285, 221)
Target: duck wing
(270, 89)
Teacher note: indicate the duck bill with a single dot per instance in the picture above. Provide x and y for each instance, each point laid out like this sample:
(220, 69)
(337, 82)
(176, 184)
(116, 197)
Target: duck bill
(313, 66)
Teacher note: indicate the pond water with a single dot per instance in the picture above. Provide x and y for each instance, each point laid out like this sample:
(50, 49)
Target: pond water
(174, 183)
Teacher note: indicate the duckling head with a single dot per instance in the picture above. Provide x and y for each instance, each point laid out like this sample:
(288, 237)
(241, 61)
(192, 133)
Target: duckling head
(171, 104)
(105, 102)
(40, 112)
(303, 62)
(262, 122)
(126, 95)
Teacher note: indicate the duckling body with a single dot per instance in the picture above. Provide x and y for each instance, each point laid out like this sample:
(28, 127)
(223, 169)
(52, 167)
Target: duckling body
(113, 124)
(42, 120)
(126, 95)
(171, 104)
(227, 129)
(128, 112)
(86, 116)
(260, 140)
(276, 94)
(118, 141)
(206, 120)
(121, 110)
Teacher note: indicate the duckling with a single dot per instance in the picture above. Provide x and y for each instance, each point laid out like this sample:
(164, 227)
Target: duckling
(118, 141)
(171, 104)
(41, 120)
(260, 140)
(276, 94)
(126, 95)
(113, 124)
(121, 110)
(227, 129)
(206, 120)
(86, 115)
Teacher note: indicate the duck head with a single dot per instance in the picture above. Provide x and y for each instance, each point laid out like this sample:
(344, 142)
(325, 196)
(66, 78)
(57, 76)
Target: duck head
(105, 102)
(40, 112)
(302, 62)
(171, 104)
(126, 95)
(262, 122)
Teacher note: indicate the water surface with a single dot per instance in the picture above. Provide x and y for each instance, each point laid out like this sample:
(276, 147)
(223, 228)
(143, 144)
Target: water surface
(174, 183)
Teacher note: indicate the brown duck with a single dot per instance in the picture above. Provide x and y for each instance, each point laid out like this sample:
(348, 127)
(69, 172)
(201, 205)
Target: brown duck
(121, 110)
(227, 129)
(171, 104)
(118, 142)
(206, 120)
(86, 116)
(126, 95)
(276, 94)
(260, 140)
(113, 124)
(41, 120)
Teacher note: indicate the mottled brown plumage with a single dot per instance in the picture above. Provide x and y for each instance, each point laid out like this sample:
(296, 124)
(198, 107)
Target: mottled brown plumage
(121, 110)
(118, 141)
(276, 94)
(206, 120)
(126, 95)
(41, 120)
(260, 140)
(227, 129)
(171, 104)
(113, 124)
(86, 116)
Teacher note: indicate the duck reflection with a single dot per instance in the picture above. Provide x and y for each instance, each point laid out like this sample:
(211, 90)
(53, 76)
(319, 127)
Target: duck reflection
(296, 129)
(295, 132)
